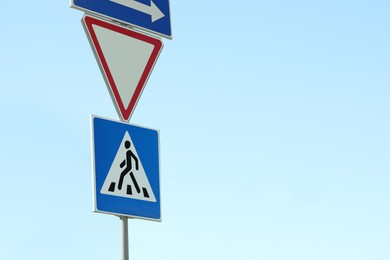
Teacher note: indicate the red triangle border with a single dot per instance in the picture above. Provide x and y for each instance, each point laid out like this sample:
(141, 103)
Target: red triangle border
(124, 111)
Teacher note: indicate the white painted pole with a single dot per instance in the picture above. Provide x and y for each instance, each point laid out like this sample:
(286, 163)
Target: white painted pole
(125, 239)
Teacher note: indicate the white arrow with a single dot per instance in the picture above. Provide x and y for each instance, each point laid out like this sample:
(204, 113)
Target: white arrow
(151, 10)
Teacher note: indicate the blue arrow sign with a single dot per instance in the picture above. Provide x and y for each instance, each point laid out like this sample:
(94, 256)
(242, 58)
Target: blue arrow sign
(126, 169)
(152, 15)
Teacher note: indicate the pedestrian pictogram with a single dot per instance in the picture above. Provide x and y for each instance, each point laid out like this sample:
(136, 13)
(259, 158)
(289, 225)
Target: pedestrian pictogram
(126, 169)
(127, 177)
(126, 59)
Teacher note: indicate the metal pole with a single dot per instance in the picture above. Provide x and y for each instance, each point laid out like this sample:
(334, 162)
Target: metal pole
(125, 239)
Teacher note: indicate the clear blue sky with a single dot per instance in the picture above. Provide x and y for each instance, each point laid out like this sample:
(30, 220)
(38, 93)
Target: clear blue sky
(274, 124)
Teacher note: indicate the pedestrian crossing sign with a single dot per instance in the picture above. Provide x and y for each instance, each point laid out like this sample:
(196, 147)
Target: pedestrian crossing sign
(126, 179)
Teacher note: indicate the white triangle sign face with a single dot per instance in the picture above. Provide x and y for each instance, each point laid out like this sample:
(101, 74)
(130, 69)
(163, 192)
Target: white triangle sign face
(127, 177)
(126, 59)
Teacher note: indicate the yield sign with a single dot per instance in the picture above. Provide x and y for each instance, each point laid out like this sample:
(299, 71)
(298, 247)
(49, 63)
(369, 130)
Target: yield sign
(125, 57)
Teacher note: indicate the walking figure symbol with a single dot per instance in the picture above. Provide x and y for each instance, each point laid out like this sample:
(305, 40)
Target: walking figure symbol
(127, 163)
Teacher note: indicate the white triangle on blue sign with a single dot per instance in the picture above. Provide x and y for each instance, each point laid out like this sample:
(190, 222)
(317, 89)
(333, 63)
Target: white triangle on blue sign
(127, 177)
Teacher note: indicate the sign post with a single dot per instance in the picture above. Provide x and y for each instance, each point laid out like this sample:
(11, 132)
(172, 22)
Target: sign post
(125, 238)
(126, 168)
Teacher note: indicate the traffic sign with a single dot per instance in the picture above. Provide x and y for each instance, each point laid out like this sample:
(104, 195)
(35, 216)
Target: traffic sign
(152, 15)
(126, 59)
(125, 169)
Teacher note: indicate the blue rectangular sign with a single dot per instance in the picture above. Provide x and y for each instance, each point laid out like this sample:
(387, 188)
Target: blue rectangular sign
(152, 15)
(125, 169)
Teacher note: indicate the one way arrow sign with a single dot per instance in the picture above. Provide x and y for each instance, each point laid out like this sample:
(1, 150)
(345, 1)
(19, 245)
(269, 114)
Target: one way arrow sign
(151, 9)
(151, 15)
